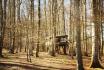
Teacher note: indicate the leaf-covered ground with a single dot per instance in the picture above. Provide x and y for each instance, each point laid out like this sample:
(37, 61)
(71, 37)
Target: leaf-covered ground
(18, 61)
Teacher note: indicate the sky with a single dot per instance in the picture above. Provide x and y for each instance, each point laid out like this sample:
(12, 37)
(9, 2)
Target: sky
(24, 5)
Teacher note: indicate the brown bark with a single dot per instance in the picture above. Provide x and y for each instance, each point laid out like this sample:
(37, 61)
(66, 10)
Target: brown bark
(39, 21)
(97, 44)
(1, 31)
(78, 37)
(12, 2)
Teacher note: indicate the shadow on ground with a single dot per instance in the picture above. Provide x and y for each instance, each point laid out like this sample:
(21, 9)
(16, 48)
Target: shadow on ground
(25, 66)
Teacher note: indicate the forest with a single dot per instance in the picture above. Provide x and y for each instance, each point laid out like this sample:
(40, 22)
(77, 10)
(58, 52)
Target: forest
(51, 34)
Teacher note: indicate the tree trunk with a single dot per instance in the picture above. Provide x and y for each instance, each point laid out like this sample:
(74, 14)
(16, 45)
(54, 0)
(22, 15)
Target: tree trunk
(54, 11)
(78, 37)
(39, 17)
(12, 2)
(19, 22)
(4, 17)
(1, 30)
(97, 44)
(32, 25)
(101, 21)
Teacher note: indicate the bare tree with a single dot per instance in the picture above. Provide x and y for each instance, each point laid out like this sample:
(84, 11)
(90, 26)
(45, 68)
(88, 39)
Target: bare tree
(101, 21)
(54, 11)
(12, 2)
(97, 41)
(1, 29)
(19, 23)
(78, 37)
(4, 17)
(39, 21)
(32, 25)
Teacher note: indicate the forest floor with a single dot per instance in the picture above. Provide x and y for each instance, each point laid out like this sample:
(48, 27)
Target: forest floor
(18, 61)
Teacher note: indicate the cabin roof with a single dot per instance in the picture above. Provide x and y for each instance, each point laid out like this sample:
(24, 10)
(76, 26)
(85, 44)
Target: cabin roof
(64, 36)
